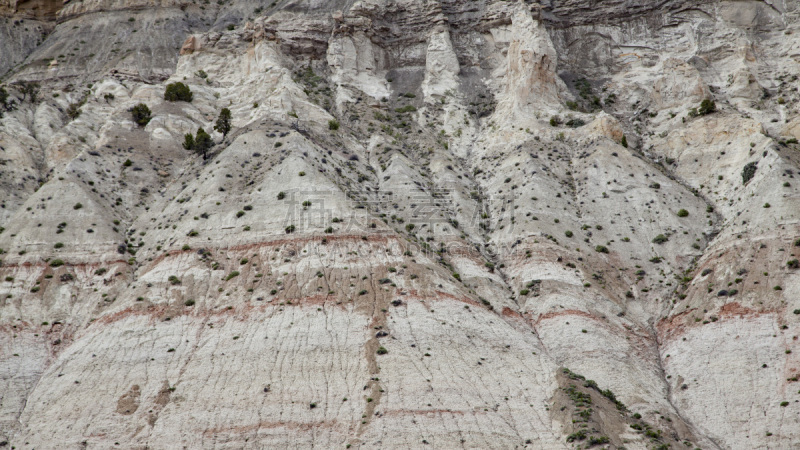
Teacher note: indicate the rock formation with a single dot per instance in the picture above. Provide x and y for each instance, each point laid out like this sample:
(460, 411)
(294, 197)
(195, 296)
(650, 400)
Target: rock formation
(435, 223)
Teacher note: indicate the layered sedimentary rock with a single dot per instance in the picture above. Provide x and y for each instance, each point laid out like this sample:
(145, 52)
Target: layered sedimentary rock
(434, 223)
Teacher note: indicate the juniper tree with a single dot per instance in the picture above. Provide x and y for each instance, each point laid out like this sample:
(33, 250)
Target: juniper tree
(141, 114)
(224, 122)
(178, 92)
(199, 143)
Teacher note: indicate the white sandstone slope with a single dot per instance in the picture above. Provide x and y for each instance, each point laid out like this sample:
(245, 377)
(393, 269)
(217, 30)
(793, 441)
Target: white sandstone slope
(441, 224)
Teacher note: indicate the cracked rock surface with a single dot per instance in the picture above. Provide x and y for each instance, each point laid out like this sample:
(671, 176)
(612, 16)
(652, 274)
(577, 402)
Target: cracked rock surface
(433, 223)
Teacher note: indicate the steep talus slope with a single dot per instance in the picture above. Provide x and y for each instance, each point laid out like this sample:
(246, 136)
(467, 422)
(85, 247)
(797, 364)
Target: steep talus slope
(435, 223)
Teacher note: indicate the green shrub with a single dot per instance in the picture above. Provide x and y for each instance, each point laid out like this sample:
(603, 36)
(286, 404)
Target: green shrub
(653, 434)
(281, 195)
(601, 249)
(74, 110)
(748, 172)
(56, 263)
(29, 88)
(577, 436)
(233, 274)
(223, 124)
(200, 143)
(707, 106)
(333, 125)
(575, 123)
(683, 213)
(4, 99)
(624, 141)
(141, 114)
(793, 264)
(660, 239)
(178, 92)
(382, 351)
(290, 229)
(598, 440)
(568, 234)
(189, 302)
(405, 109)
(77, 206)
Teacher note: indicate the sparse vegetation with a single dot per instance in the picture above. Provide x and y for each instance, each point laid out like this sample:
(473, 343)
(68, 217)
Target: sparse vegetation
(223, 124)
(201, 143)
(141, 114)
(707, 106)
(178, 92)
(748, 172)
(660, 239)
(29, 89)
(74, 110)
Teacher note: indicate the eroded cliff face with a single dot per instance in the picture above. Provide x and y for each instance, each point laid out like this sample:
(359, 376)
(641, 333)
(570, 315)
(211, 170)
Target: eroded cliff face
(424, 213)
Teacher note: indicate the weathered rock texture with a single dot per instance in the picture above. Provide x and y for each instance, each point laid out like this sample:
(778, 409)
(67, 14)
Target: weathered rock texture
(432, 225)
